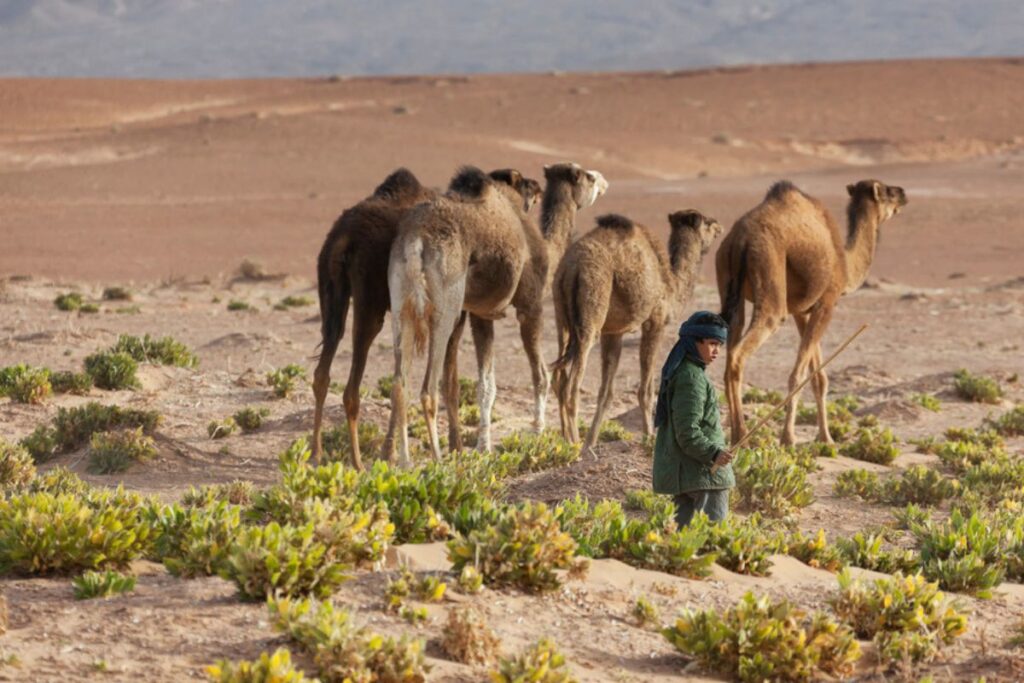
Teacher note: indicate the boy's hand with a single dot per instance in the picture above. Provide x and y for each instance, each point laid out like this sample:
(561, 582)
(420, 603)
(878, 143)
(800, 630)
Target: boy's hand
(723, 459)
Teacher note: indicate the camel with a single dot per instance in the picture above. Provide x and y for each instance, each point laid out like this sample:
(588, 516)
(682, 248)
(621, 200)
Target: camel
(472, 253)
(788, 256)
(616, 279)
(352, 268)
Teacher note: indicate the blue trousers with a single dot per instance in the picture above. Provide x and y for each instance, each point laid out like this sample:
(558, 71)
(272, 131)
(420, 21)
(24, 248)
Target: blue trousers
(712, 502)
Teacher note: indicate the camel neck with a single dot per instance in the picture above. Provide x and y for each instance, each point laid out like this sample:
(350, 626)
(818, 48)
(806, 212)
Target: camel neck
(860, 246)
(558, 217)
(684, 253)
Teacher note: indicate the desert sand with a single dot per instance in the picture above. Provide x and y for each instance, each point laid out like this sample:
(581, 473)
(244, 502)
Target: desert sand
(166, 188)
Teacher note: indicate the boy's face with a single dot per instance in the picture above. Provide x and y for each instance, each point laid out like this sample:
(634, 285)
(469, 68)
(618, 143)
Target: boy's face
(708, 350)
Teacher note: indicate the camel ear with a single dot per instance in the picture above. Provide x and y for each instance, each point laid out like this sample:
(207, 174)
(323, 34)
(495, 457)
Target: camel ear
(516, 177)
(851, 189)
(876, 189)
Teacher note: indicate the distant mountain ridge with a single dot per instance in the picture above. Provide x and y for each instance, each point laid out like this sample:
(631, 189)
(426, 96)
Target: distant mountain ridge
(257, 38)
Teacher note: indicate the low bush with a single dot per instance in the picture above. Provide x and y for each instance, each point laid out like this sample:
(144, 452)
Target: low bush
(69, 301)
(220, 429)
(612, 430)
(237, 492)
(816, 552)
(112, 370)
(67, 382)
(919, 485)
(959, 456)
(963, 554)
(907, 617)
(163, 351)
(872, 445)
(1010, 423)
(742, 545)
(755, 395)
(102, 584)
(927, 401)
(59, 480)
(539, 663)
(859, 483)
(238, 305)
(17, 468)
(337, 442)
(868, 552)
(523, 549)
(771, 481)
(25, 384)
(385, 384)
(293, 302)
(74, 427)
(645, 613)
(659, 507)
(528, 452)
(995, 481)
(195, 541)
(406, 584)
(468, 639)
(275, 668)
(283, 380)
(759, 640)
(470, 580)
(251, 419)
(976, 388)
(116, 294)
(115, 451)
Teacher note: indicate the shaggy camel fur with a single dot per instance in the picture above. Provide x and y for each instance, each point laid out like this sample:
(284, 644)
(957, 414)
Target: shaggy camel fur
(616, 279)
(352, 267)
(788, 256)
(474, 251)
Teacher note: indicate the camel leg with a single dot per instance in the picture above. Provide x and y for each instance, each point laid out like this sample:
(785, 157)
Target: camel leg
(366, 325)
(559, 377)
(486, 389)
(442, 326)
(399, 417)
(529, 331)
(810, 339)
(576, 371)
(611, 351)
(321, 383)
(450, 385)
(761, 327)
(819, 382)
(650, 338)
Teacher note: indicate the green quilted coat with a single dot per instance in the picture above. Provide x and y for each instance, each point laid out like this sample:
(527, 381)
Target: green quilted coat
(690, 440)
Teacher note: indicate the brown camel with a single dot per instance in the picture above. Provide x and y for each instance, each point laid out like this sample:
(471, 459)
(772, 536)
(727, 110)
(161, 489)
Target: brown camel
(352, 266)
(616, 279)
(788, 256)
(475, 251)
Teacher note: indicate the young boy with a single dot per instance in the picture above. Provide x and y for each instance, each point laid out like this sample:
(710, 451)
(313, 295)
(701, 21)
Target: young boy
(689, 437)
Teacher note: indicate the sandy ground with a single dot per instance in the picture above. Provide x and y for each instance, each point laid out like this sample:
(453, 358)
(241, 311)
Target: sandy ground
(166, 187)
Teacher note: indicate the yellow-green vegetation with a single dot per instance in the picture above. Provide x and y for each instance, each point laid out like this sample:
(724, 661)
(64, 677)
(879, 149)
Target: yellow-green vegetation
(872, 445)
(116, 294)
(523, 548)
(338, 443)
(539, 663)
(112, 370)
(760, 640)
(163, 351)
(654, 504)
(741, 545)
(428, 589)
(919, 485)
(859, 483)
(385, 384)
(840, 415)
(1010, 423)
(194, 541)
(816, 551)
(238, 305)
(292, 301)
(219, 429)
(115, 451)
(470, 580)
(25, 384)
(17, 468)
(927, 401)
(772, 481)
(342, 651)
(524, 452)
(283, 380)
(468, 639)
(251, 419)
(102, 584)
(645, 613)
(755, 395)
(237, 492)
(73, 427)
(59, 480)
(869, 551)
(976, 388)
(611, 430)
(965, 448)
(275, 668)
(69, 301)
(45, 533)
(908, 618)
(967, 553)
(67, 382)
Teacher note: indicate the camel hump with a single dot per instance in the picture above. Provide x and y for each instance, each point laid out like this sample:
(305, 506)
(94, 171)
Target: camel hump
(401, 183)
(780, 189)
(613, 221)
(470, 182)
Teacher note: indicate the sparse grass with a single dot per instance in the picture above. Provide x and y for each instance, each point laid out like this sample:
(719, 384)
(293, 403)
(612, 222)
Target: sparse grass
(251, 419)
(102, 584)
(283, 380)
(293, 302)
(116, 451)
(976, 388)
(112, 370)
(70, 301)
(89, 308)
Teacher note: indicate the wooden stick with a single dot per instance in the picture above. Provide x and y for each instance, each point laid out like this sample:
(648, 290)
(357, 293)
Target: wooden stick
(799, 387)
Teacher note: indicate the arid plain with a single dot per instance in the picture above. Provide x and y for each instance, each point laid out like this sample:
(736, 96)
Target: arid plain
(167, 188)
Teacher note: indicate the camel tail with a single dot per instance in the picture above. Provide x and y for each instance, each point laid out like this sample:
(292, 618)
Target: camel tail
(411, 298)
(335, 293)
(574, 323)
(732, 306)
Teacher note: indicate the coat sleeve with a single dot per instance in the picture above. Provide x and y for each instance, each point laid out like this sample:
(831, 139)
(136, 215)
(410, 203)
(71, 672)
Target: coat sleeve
(687, 411)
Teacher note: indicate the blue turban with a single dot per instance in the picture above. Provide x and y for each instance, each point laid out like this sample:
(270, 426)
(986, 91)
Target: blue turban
(700, 325)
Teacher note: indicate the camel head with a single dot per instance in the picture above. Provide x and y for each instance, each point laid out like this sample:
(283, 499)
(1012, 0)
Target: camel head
(528, 188)
(586, 185)
(885, 201)
(706, 228)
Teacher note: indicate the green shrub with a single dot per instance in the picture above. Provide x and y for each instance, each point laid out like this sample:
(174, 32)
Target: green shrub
(658, 507)
(995, 480)
(535, 452)
(960, 456)
(73, 427)
(293, 302)
(31, 385)
(283, 380)
(540, 663)
(238, 305)
(112, 370)
(612, 430)
(43, 533)
(341, 651)
(907, 617)
(470, 580)
(195, 541)
(251, 419)
(116, 294)
(863, 484)
(1010, 423)
(645, 613)
(815, 552)
(911, 515)
(338, 444)
(868, 552)
(523, 549)
(428, 589)
(742, 545)
(976, 388)
(69, 301)
(927, 401)
(9, 375)
(59, 480)
(116, 451)
(89, 308)
(275, 668)
(163, 351)
(872, 445)
(963, 554)
(67, 382)
(839, 410)
(919, 485)
(771, 481)
(17, 468)
(385, 384)
(237, 492)
(102, 584)
(222, 428)
(468, 639)
(758, 640)
(755, 395)
(41, 444)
